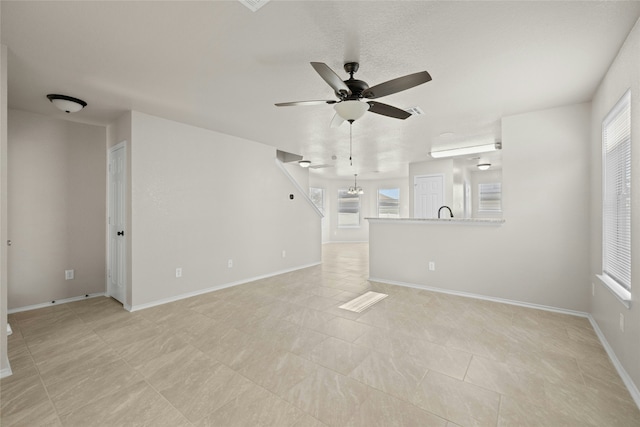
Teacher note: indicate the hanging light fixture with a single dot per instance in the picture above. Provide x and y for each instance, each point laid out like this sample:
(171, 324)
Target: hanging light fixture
(355, 189)
(68, 104)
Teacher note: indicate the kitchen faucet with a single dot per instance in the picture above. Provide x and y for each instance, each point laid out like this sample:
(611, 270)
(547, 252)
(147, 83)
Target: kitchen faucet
(442, 207)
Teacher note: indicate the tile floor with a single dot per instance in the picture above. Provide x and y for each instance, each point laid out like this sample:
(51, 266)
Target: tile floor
(278, 352)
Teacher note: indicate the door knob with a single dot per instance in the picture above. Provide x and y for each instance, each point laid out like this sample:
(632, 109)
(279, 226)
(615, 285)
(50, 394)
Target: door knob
(121, 233)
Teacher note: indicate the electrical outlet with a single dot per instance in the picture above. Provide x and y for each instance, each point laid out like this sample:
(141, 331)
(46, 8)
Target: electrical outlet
(68, 274)
(432, 266)
(178, 272)
(230, 263)
(284, 253)
(621, 322)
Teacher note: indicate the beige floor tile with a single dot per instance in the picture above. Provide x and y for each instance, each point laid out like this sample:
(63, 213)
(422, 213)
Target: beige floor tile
(591, 406)
(308, 421)
(37, 414)
(341, 356)
(382, 410)
(345, 329)
(481, 342)
(329, 396)
(78, 390)
(137, 404)
(19, 394)
(508, 380)
(309, 318)
(398, 375)
(199, 392)
(254, 407)
(278, 372)
(238, 348)
(523, 413)
(457, 401)
(138, 353)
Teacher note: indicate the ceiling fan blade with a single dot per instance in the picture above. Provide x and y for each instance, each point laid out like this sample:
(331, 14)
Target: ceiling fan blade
(295, 103)
(387, 110)
(336, 121)
(331, 77)
(396, 85)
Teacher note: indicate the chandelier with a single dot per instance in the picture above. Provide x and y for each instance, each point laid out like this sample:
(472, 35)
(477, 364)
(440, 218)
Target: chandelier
(355, 189)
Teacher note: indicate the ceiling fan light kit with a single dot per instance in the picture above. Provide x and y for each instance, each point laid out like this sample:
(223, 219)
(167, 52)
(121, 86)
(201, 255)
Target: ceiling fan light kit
(351, 110)
(483, 148)
(68, 104)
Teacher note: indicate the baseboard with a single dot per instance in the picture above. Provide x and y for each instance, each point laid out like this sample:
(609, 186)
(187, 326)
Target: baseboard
(6, 372)
(214, 288)
(56, 302)
(484, 297)
(628, 382)
(631, 386)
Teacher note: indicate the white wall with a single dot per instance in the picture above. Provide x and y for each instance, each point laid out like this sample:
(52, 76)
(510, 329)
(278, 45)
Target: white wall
(56, 208)
(200, 198)
(540, 254)
(368, 205)
(623, 74)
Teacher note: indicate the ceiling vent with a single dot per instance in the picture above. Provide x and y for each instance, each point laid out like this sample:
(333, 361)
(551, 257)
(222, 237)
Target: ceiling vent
(254, 5)
(415, 111)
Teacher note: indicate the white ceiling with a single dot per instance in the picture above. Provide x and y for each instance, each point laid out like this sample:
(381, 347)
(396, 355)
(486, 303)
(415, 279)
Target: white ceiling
(218, 65)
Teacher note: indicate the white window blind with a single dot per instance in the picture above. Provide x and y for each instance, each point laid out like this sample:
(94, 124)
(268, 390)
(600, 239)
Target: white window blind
(348, 209)
(490, 197)
(616, 194)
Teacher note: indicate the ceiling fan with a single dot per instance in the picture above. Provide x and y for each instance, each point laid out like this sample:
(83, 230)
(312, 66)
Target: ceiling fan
(351, 92)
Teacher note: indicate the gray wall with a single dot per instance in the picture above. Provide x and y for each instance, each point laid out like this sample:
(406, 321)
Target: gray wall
(200, 198)
(540, 254)
(56, 208)
(623, 74)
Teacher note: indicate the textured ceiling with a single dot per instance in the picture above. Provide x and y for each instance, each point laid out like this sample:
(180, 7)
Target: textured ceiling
(220, 66)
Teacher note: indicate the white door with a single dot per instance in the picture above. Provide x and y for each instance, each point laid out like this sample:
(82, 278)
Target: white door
(117, 269)
(428, 195)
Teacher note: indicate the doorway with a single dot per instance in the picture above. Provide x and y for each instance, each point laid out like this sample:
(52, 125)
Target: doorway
(117, 237)
(428, 195)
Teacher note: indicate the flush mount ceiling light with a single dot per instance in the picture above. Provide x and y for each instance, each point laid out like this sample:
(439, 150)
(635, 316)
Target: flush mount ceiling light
(484, 166)
(351, 110)
(304, 163)
(66, 103)
(484, 148)
(355, 189)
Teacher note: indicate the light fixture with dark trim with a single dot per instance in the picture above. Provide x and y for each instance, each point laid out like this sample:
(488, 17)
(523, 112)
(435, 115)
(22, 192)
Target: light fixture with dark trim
(304, 163)
(484, 166)
(68, 104)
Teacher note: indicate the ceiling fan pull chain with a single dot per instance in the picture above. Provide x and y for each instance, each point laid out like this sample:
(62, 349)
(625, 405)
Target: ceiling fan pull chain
(350, 142)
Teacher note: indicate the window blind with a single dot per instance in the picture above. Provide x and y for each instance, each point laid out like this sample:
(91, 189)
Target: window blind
(348, 209)
(490, 197)
(616, 203)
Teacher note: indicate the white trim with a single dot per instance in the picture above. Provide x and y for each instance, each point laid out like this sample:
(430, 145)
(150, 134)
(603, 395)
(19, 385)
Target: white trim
(55, 302)
(633, 389)
(483, 297)
(623, 295)
(214, 288)
(305, 194)
(6, 372)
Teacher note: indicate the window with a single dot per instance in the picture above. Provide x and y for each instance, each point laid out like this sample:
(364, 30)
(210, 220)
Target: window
(389, 203)
(490, 197)
(348, 209)
(317, 197)
(616, 198)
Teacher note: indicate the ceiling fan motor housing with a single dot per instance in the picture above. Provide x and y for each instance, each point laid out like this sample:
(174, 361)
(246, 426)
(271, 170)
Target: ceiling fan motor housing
(355, 86)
